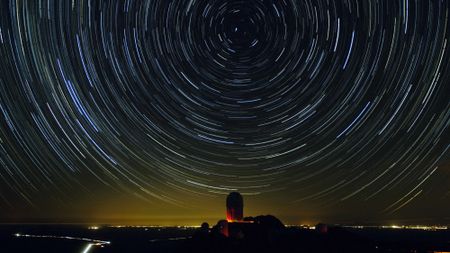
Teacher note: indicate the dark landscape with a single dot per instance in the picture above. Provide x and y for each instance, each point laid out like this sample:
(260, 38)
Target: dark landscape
(179, 239)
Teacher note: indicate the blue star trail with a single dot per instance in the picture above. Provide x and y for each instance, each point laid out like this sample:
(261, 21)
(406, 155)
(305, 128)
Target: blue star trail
(322, 103)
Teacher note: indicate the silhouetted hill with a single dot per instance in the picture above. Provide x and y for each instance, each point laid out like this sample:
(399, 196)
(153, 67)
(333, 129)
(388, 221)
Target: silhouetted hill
(284, 240)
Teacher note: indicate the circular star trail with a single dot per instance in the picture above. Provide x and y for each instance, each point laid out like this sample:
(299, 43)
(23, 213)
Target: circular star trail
(325, 101)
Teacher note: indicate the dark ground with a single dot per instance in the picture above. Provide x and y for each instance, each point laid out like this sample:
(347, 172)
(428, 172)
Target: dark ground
(292, 239)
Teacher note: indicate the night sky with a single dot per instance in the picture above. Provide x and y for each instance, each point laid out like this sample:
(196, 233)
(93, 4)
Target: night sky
(152, 111)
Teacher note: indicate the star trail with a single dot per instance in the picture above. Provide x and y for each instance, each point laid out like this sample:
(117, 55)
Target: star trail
(336, 105)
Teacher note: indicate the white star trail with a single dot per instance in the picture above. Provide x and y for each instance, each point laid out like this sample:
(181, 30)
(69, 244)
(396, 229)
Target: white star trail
(322, 101)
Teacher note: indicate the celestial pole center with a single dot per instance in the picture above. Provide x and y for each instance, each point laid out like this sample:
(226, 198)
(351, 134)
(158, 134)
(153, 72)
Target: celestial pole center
(320, 103)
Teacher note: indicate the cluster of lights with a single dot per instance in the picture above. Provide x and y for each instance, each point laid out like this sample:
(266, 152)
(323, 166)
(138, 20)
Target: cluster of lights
(153, 226)
(418, 227)
(411, 227)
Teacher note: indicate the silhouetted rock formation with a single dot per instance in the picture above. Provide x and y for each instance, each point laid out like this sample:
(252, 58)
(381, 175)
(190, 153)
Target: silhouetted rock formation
(322, 228)
(260, 238)
(238, 234)
(266, 233)
(203, 232)
(268, 222)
